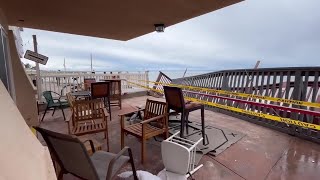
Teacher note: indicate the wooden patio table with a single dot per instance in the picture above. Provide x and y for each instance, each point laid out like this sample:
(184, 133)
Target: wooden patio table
(81, 94)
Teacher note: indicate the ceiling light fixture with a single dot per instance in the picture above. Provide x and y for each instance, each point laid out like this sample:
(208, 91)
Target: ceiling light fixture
(159, 27)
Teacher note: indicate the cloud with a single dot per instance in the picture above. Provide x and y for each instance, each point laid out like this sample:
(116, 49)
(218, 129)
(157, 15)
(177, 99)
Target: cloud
(277, 32)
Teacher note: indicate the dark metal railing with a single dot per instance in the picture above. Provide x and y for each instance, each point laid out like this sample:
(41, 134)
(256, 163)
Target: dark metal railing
(296, 83)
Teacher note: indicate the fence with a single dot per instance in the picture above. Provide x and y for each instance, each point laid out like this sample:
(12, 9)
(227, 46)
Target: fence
(289, 83)
(63, 82)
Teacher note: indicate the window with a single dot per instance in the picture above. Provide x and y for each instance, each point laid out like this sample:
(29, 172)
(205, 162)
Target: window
(4, 62)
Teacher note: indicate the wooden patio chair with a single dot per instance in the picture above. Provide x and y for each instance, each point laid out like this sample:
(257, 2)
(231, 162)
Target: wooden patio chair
(87, 83)
(54, 103)
(71, 99)
(88, 117)
(102, 90)
(155, 122)
(72, 157)
(115, 92)
(176, 102)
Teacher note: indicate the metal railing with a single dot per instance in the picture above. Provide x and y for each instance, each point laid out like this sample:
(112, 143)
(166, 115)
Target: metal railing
(300, 83)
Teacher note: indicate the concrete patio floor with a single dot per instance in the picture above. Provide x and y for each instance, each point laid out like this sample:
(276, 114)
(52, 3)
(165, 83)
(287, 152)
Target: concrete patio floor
(262, 154)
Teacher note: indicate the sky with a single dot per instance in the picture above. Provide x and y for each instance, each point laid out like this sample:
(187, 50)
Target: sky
(279, 33)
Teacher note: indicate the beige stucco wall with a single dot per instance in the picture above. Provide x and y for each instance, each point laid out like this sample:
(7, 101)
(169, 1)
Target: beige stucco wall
(24, 90)
(22, 156)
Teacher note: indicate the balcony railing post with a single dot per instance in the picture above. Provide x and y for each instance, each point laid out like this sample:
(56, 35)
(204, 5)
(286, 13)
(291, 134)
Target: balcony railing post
(147, 78)
(296, 95)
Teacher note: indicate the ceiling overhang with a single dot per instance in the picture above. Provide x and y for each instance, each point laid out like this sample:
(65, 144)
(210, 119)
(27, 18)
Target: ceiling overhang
(120, 20)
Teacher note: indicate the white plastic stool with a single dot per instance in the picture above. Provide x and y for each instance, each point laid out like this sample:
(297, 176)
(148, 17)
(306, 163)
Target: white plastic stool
(179, 156)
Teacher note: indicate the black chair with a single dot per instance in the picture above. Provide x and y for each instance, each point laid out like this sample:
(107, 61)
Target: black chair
(176, 102)
(53, 103)
(72, 157)
(102, 90)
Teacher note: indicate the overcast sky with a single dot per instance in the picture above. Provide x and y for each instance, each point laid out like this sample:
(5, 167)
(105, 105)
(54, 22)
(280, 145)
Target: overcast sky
(277, 32)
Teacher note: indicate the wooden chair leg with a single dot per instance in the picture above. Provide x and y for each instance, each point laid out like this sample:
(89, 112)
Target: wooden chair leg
(187, 122)
(45, 112)
(64, 117)
(69, 126)
(166, 134)
(122, 139)
(203, 126)
(54, 110)
(182, 124)
(109, 107)
(106, 136)
(143, 147)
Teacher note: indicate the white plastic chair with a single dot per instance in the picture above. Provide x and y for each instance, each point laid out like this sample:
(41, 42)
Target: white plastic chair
(179, 156)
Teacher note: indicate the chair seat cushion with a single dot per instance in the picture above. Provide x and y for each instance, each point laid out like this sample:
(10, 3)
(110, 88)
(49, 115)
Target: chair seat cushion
(193, 105)
(101, 160)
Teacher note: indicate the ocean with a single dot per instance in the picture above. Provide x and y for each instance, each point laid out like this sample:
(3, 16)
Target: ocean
(175, 74)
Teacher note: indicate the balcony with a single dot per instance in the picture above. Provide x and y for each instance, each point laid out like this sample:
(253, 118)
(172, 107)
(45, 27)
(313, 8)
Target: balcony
(262, 153)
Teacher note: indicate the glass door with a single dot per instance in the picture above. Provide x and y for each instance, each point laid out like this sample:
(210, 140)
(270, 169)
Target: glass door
(4, 61)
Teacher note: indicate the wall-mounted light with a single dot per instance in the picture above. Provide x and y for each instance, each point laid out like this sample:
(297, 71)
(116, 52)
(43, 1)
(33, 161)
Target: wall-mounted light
(159, 27)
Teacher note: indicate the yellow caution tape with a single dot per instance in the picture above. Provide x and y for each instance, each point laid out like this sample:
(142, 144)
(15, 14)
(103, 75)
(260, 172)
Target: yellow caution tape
(252, 113)
(244, 95)
(258, 114)
(33, 130)
(155, 90)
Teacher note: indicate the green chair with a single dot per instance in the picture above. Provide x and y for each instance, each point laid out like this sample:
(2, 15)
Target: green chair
(54, 103)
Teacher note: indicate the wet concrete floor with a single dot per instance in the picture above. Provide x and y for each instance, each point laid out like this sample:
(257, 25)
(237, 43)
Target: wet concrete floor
(262, 154)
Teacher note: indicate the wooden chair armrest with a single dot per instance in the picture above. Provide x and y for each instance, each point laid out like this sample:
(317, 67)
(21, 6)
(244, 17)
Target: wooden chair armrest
(91, 145)
(153, 119)
(116, 157)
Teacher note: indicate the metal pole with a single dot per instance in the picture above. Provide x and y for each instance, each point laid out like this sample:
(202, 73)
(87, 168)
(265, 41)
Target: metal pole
(39, 89)
(257, 65)
(91, 61)
(64, 64)
(185, 72)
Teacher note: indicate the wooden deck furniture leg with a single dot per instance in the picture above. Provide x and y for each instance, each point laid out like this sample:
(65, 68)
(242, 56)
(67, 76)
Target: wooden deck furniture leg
(182, 124)
(69, 126)
(166, 134)
(109, 106)
(187, 122)
(64, 117)
(45, 112)
(122, 131)
(143, 144)
(122, 139)
(54, 110)
(203, 126)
